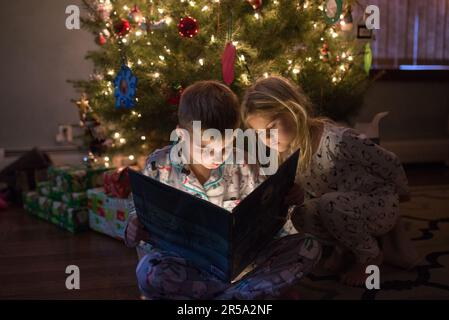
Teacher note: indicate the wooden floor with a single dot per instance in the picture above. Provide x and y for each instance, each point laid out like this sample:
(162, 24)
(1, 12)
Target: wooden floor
(34, 255)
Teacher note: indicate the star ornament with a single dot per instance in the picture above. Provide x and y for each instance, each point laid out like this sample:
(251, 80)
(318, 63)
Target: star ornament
(83, 104)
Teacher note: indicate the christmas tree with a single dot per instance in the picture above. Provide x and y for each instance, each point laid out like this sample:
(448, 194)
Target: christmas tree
(160, 47)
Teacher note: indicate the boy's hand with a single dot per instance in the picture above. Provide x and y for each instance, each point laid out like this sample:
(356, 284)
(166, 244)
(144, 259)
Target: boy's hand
(135, 232)
(295, 196)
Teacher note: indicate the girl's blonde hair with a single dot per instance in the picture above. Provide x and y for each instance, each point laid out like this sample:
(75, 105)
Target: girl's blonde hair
(276, 96)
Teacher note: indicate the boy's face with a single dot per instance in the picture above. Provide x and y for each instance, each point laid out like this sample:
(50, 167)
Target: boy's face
(209, 152)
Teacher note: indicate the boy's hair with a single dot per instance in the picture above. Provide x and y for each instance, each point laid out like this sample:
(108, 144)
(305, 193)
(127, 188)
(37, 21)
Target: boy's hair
(212, 103)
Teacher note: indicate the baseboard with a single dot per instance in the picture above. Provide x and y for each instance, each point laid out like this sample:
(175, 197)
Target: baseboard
(419, 151)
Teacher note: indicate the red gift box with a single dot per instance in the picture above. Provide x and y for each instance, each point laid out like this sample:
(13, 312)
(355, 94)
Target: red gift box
(116, 183)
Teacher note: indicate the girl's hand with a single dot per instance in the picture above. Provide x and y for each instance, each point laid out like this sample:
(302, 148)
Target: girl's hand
(135, 232)
(295, 196)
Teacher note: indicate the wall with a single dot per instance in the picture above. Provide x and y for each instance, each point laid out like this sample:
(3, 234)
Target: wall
(418, 109)
(38, 55)
(417, 127)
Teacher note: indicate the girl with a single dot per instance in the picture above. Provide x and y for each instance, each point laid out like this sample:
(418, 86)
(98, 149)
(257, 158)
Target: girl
(351, 185)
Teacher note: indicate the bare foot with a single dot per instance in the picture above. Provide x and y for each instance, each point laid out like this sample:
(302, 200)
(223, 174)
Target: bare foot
(356, 275)
(335, 263)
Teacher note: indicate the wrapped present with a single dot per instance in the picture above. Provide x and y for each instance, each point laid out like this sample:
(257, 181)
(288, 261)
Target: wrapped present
(31, 201)
(56, 193)
(37, 205)
(75, 220)
(54, 172)
(76, 179)
(71, 219)
(100, 224)
(116, 183)
(57, 211)
(45, 208)
(107, 214)
(96, 199)
(43, 188)
(119, 210)
(75, 199)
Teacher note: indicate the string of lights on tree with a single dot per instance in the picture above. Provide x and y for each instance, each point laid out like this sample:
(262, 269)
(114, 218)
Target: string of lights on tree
(150, 50)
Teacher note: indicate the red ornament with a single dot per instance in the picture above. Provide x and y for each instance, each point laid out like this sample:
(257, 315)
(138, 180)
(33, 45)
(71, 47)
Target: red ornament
(175, 98)
(188, 27)
(325, 55)
(256, 4)
(228, 63)
(101, 40)
(122, 27)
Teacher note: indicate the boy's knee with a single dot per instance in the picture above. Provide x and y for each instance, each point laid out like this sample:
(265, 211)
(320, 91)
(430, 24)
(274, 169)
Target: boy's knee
(148, 264)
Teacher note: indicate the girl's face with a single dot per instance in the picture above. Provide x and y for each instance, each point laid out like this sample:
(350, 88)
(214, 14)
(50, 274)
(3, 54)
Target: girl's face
(284, 124)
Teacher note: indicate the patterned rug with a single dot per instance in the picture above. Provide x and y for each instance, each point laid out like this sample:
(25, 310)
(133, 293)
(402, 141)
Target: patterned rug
(427, 221)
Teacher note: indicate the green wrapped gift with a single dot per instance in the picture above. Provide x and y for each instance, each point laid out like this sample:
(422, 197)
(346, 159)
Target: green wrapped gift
(45, 207)
(75, 199)
(31, 201)
(75, 220)
(44, 188)
(56, 194)
(76, 179)
(71, 219)
(57, 211)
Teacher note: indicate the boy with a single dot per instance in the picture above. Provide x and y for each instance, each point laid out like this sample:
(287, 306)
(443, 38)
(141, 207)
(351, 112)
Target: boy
(168, 276)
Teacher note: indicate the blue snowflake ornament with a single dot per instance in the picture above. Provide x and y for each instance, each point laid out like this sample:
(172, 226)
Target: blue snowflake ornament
(125, 85)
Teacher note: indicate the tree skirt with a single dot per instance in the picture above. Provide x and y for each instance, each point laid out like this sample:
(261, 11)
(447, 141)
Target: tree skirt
(427, 221)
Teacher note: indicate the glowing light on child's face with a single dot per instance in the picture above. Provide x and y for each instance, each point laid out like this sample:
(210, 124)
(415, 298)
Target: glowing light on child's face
(264, 125)
(210, 148)
(211, 153)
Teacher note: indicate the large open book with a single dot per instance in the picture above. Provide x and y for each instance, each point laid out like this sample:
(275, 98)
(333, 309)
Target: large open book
(213, 239)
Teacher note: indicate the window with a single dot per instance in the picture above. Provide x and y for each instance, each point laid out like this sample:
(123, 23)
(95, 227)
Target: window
(413, 35)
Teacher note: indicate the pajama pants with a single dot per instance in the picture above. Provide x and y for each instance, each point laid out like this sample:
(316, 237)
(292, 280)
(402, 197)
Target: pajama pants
(164, 275)
(352, 220)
